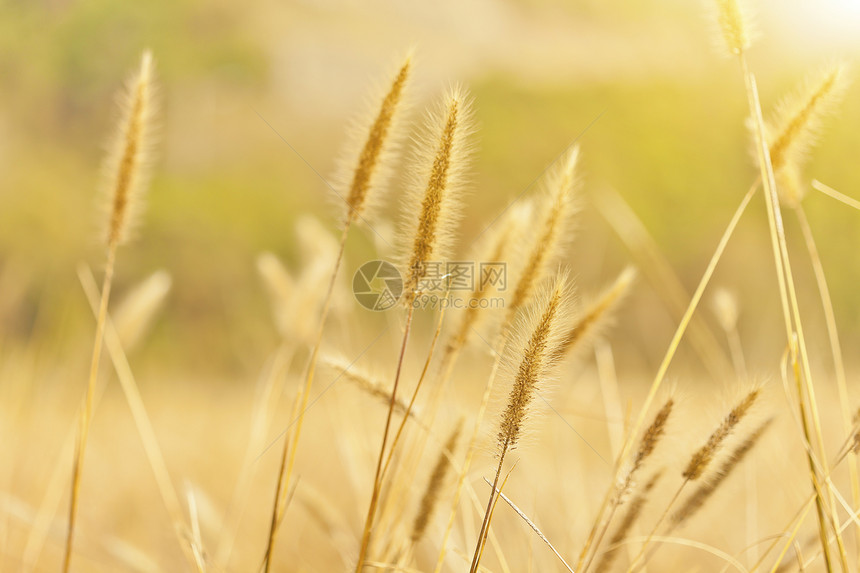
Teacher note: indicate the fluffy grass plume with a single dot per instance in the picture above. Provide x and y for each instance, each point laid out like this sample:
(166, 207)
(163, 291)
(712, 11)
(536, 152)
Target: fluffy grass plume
(366, 167)
(434, 486)
(733, 21)
(558, 210)
(543, 324)
(704, 455)
(441, 156)
(794, 128)
(125, 167)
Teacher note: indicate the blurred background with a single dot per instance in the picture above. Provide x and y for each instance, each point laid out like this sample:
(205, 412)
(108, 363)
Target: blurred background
(256, 99)
(236, 79)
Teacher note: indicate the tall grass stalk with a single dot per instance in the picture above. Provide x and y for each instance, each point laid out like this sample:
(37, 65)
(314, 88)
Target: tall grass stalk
(127, 177)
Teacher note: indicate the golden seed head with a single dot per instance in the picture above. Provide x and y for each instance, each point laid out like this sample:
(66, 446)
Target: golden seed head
(698, 498)
(126, 165)
(700, 460)
(734, 25)
(438, 177)
(537, 357)
(795, 127)
(366, 168)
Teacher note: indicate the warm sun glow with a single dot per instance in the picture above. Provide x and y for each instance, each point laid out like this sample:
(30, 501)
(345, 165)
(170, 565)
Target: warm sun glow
(828, 24)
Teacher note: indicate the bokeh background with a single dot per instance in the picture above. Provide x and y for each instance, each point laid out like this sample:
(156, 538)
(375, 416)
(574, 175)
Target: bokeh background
(256, 98)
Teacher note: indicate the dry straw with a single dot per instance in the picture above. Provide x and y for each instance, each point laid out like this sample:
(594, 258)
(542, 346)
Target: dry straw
(125, 181)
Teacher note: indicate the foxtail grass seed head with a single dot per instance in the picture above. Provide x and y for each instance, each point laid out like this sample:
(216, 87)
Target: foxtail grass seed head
(734, 25)
(795, 127)
(126, 165)
(537, 356)
(434, 485)
(552, 231)
(439, 167)
(367, 166)
(647, 445)
(704, 492)
(703, 457)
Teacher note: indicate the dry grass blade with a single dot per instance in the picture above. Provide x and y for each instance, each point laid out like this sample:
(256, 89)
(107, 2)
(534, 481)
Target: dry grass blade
(830, 191)
(532, 525)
